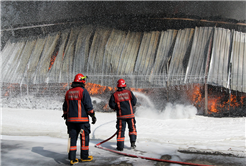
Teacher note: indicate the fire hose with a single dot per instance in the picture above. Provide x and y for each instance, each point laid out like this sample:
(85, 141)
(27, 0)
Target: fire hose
(147, 158)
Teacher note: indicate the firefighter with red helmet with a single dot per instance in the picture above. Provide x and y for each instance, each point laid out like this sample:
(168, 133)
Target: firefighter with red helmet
(123, 101)
(77, 108)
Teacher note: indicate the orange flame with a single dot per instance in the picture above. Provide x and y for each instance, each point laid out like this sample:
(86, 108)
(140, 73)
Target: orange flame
(196, 97)
(217, 101)
(212, 104)
(94, 89)
(97, 89)
(137, 89)
(52, 60)
(233, 101)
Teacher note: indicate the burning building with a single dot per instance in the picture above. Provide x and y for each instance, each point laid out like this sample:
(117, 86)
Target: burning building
(172, 59)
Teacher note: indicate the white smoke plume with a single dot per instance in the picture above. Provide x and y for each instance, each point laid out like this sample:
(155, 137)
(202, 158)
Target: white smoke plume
(171, 111)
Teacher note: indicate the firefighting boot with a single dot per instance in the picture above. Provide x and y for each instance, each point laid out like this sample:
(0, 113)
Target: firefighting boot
(133, 146)
(72, 162)
(119, 149)
(88, 159)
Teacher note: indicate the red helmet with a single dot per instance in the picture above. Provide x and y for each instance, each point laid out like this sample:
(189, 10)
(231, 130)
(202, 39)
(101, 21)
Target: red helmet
(121, 83)
(79, 78)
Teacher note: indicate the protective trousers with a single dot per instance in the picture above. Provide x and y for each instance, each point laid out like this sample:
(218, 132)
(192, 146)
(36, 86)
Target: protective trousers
(82, 129)
(121, 125)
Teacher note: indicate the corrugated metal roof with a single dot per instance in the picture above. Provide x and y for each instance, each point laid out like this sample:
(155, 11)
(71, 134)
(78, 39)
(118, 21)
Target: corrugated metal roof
(146, 59)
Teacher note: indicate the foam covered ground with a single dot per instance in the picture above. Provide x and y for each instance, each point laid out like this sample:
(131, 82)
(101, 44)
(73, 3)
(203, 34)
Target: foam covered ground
(171, 131)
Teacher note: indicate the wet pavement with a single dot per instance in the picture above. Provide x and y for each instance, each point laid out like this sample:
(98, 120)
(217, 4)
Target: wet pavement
(24, 153)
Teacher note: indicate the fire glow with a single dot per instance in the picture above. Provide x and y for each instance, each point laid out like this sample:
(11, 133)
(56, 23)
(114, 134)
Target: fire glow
(95, 89)
(52, 60)
(218, 100)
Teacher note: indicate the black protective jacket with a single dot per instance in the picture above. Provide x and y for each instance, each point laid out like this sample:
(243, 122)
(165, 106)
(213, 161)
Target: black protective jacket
(123, 101)
(77, 105)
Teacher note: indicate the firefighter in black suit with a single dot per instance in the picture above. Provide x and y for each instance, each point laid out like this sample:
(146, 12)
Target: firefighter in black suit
(76, 109)
(123, 101)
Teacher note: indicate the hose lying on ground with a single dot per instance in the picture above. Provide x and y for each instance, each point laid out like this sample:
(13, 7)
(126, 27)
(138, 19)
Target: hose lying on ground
(147, 158)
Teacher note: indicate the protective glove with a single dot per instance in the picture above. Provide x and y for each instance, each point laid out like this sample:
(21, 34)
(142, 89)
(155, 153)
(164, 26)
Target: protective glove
(64, 116)
(66, 122)
(94, 119)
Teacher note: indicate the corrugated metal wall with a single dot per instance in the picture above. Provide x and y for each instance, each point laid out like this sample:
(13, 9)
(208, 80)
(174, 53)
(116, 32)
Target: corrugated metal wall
(144, 59)
(219, 64)
(180, 57)
(238, 61)
(195, 70)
